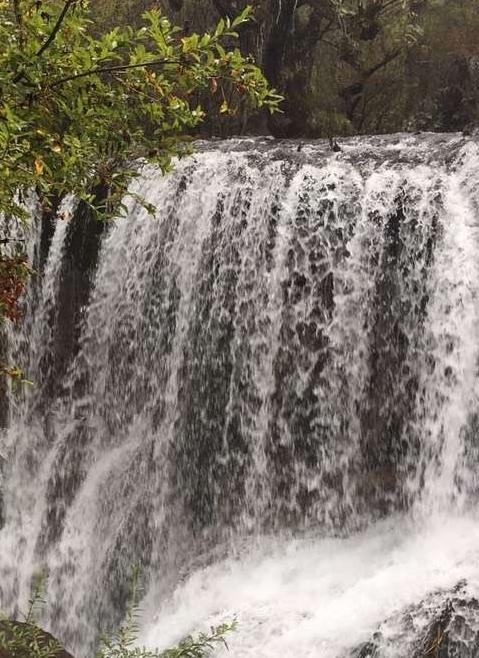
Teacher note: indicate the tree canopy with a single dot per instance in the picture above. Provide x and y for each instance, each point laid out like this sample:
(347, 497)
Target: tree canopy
(76, 108)
(79, 109)
(349, 66)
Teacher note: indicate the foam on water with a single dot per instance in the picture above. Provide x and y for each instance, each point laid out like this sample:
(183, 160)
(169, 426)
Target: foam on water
(320, 596)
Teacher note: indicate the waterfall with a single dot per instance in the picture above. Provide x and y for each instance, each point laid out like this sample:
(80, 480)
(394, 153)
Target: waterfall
(265, 394)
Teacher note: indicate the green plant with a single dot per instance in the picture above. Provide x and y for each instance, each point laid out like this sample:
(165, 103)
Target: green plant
(190, 647)
(121, 644)
(19, 640)
(26, 639)
(80, 111)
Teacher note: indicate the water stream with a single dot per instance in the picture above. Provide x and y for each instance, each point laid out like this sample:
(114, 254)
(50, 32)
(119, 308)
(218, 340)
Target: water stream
(266, 395)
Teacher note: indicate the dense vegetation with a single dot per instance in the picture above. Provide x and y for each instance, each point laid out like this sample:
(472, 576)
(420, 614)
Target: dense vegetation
(351, 66)
(80, 107)
(77, 109)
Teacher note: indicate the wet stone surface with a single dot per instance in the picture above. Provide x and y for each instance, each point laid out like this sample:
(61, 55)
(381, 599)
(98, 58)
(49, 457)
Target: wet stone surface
(445, 625)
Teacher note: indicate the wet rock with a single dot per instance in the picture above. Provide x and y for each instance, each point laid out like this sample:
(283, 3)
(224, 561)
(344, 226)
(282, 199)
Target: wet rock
(367, 650)
(79, 261)
(444, 625)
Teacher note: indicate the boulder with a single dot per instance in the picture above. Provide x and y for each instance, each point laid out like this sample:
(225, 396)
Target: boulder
(443, 625)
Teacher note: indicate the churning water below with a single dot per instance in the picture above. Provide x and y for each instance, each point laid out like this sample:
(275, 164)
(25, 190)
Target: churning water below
(267, 395)
(321, 597)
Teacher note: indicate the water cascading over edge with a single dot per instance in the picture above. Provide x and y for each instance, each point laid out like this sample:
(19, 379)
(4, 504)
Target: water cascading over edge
(289, 348)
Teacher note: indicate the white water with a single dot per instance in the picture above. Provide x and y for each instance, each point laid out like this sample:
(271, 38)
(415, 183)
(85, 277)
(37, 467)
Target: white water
(320, 597)
(284, 355)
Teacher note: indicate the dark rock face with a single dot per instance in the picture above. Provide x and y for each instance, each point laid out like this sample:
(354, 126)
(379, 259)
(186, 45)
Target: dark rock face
(79, 263)
(446, 625)
(9, 648)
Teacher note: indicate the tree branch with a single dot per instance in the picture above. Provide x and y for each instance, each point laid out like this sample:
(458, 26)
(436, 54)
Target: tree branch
(113, 69)
(56, 27)
(326, 29)
(387, 60)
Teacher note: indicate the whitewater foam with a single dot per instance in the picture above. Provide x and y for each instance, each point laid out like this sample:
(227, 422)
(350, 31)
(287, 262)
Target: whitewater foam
(320, 597)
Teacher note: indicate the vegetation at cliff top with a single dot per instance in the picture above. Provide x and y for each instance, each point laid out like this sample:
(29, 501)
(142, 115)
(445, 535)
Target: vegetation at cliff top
(77, 109)
(347, 66)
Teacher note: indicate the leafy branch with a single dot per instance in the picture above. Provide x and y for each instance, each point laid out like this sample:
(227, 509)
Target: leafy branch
(113, 69)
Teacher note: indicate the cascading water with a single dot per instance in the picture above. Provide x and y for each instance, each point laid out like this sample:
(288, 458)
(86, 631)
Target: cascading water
(266, 395)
